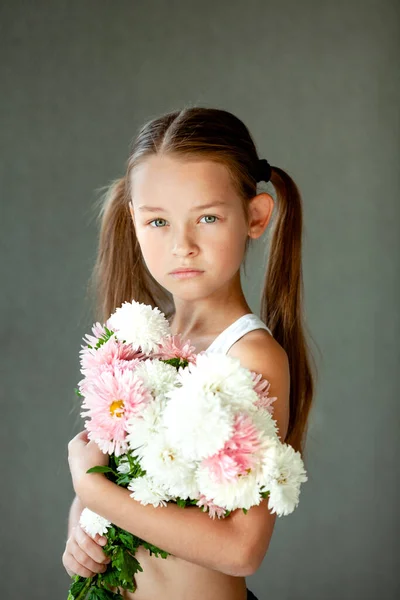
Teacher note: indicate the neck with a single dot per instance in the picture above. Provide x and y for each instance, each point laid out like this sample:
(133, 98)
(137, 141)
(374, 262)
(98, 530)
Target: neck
(210, 315)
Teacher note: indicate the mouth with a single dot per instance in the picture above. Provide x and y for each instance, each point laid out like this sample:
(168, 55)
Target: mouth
(185, 270)
(185, 273)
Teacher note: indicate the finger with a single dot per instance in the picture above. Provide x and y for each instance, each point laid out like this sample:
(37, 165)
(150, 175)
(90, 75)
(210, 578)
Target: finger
(83, 435)
(80, 437)
(73, 567)
(100, 539)
(92, 548)
(65, 561)
(85, 560)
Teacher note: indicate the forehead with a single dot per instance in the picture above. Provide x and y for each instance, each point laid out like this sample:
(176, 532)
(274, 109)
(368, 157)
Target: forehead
(168, 177)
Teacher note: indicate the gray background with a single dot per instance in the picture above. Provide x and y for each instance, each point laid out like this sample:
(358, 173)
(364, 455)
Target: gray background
(317, 84)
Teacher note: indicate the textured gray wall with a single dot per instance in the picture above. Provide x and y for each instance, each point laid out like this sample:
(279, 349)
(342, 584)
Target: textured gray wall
(317, 84)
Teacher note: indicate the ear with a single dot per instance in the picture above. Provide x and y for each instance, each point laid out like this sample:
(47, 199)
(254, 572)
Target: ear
(260, 211)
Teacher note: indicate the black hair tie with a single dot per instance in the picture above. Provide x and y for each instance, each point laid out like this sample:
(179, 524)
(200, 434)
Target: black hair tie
(264, 170)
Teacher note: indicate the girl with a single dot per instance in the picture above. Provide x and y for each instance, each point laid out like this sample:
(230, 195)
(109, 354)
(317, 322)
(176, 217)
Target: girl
(175, 230)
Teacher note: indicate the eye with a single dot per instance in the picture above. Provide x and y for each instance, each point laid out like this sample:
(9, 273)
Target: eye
(210, 217)
(156, 221)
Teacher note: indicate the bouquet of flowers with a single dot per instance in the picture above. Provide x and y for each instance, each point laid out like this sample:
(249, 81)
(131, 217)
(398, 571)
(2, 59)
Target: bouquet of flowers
(193, 429)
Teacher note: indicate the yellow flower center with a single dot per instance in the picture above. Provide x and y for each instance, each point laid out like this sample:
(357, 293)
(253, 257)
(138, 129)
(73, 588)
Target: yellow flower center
(168, 455)
(117, 408)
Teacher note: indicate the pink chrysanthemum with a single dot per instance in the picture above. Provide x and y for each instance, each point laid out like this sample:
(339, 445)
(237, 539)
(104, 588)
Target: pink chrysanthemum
(172, 346)
(261, 387)
(111, 398)
(109, 367)
(98, 331)
(108, 353)
(237, 455)
(212, 509)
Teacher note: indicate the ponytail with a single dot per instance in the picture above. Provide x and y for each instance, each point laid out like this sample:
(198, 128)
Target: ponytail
(281, 303)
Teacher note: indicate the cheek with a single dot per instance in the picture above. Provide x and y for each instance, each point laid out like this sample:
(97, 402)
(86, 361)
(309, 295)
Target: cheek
(150, 252)
(150, 246)
(228, 253)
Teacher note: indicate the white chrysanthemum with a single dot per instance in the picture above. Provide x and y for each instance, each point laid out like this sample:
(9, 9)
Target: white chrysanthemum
(283, 472)
(197, 422)
(264, 422)
(158, 376)
(186, 487)
(124, 466)
(144, 427)
(140, 325)
(223, 375)
(147, 491)
(166, 466)
(244, 492)
(93, 523)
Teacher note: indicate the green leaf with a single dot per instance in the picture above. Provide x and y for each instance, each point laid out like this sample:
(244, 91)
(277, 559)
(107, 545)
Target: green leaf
(100, 469)
(77, 392)
(118, 559)
(245, 510)
(113, 462)
(111, 578)
(154, 550)
(127, 565)
(104, 338)
(131, 566)
(176, 362)
(78, 585)
(123, 480)
(102, 594)
(111, 533)
(131, 542)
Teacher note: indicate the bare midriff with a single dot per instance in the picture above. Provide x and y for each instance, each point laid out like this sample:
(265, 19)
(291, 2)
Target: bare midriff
(173, 578)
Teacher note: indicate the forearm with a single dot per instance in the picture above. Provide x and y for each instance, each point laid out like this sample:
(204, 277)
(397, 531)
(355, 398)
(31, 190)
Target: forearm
(74, 513)
(187, 533)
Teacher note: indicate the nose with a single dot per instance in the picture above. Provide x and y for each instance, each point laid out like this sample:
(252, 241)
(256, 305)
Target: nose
(184, 244)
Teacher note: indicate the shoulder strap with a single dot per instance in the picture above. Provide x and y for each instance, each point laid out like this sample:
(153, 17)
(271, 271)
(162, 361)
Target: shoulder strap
(235, 331)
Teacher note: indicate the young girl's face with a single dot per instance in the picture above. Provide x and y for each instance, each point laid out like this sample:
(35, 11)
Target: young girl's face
(188, 215)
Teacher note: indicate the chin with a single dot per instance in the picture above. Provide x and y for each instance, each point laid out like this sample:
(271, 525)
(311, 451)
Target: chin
(194, 294)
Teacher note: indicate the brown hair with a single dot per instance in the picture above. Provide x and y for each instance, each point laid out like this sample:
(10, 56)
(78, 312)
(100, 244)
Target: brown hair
(120, 273)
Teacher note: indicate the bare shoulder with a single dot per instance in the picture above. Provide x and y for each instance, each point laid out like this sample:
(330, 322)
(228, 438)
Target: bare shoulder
(260, 352)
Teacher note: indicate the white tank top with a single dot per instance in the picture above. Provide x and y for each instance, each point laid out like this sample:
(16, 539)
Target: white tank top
(235, 331)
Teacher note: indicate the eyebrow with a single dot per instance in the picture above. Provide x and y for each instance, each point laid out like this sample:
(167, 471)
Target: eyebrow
(143, 207)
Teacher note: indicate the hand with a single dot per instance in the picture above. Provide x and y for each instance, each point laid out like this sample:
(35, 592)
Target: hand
(82, 456)
(83, 555)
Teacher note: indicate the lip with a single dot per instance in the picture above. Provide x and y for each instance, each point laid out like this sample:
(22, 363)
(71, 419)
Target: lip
(185, 273)
(185, 270)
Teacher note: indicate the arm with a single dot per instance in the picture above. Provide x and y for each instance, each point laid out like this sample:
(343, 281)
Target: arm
(187, 533)
(74, 514)
(235, 545)
(260, 352)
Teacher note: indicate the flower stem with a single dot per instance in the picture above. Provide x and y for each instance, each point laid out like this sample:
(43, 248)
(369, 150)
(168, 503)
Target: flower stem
(83, 592)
